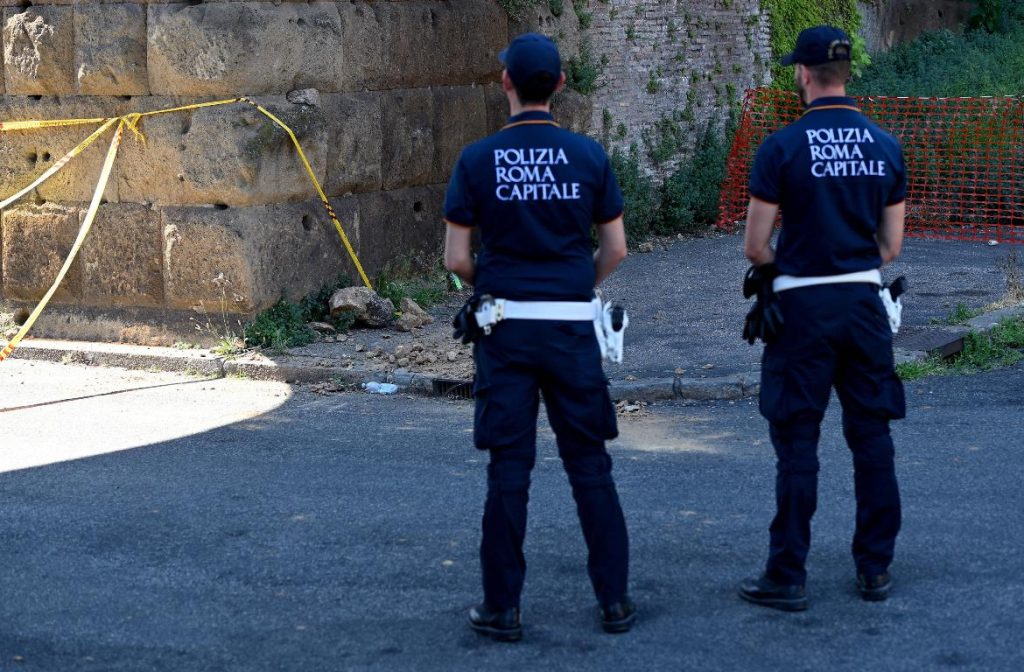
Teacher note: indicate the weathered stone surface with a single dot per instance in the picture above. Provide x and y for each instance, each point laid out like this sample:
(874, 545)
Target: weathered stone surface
(26, 154)
(356, 139)
(110, 50)
(242, 259)
(412, 316)
(36, 241)
(408, 152)
(564, 28)
(304, 97)
(460, 117)
(121, 259)
(496, 104)
(573, 110)
(367, 306)
(39, 47)
(395, 44)
(887, 24)
(228, 155)
(225, 49)
(403, 224)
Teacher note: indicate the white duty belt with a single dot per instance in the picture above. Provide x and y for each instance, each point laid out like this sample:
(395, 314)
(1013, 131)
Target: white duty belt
(785, 282)
(610, 319)
(893, 306)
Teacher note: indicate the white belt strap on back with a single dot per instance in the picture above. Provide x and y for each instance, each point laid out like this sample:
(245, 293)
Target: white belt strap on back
(893, 309)
(492, 311)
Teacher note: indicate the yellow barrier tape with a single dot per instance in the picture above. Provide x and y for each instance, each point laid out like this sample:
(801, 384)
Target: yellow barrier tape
(319, 190)
(60, 163)
(90, 215)
(54, 123)
(131, 122)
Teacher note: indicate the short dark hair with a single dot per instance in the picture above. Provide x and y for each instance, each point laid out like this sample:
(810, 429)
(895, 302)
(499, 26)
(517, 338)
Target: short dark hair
(538, 90)
(832, 73)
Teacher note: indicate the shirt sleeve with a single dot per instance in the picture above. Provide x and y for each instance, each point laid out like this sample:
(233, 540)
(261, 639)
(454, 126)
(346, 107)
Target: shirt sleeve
(899, 189)
(459, 207)
(765, 175)
(608, 202)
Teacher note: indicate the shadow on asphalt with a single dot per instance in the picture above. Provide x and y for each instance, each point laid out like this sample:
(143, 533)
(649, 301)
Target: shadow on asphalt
(339, 532)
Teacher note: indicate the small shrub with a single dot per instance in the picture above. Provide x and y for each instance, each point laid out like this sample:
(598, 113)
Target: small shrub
(689, 197)
(638, 192)
(316, 306)
(583, 71)
(944, 64)
(516, 9)
(406, 279)
(279, 327)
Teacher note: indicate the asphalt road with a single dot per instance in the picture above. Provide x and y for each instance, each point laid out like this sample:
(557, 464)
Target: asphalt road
(249, 526)
(687, 310)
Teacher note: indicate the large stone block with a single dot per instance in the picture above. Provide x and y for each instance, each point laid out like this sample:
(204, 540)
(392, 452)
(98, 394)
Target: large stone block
(356, 139)
(414, 44)
(39, 48)
(460, 117)
(122, 263)
(400, 225)
(240, 260)
(226, 155)
(564, 27)
(496, 103)
(573, 110)
(26, 154)
(36, 242)
(110, 50)
(408, 153)
(243, 48)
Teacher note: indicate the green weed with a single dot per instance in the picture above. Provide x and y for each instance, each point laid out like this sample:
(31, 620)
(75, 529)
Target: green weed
(959, 315)
(909, 371)
(279, 327)
(997, 348)
(427, 284)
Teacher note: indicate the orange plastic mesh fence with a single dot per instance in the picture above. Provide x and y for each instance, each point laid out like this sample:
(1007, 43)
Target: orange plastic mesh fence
(964, 156)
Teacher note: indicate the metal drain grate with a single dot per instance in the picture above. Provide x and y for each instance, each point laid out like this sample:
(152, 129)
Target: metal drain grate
(457, 389)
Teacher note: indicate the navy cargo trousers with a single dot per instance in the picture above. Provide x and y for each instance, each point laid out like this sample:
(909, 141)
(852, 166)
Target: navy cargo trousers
(834, 336)
(516, 364)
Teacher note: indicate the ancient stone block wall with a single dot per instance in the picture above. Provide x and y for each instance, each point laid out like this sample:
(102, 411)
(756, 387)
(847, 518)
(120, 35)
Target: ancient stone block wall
(887, 24)
(214, 211)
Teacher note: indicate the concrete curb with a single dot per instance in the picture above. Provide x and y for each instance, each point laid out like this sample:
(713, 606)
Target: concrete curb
(943, 340)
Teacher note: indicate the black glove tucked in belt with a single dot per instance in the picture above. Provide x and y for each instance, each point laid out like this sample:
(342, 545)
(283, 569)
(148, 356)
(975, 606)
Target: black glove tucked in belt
(764, 320)
(465, 324)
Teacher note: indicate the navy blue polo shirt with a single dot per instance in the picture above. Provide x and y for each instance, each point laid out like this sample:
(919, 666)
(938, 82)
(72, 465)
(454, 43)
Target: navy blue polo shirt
(833, 172)
(534, 190)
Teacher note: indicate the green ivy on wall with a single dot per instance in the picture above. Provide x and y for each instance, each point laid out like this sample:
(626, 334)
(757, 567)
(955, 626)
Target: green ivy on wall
(788, 17)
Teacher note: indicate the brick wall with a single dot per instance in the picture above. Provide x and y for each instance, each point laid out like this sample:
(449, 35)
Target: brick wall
(685, 61)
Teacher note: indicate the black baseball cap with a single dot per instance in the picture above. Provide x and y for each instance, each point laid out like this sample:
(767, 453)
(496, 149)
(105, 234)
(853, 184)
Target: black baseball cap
(821, 44)
(533, 64)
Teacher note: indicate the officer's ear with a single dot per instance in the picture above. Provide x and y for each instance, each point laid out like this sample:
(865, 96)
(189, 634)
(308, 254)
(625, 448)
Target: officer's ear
(561, 83)
(506, 82)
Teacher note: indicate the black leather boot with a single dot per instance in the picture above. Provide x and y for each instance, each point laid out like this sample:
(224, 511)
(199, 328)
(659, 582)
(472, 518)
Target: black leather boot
(618, 617)
(500, 625)
(762, 590)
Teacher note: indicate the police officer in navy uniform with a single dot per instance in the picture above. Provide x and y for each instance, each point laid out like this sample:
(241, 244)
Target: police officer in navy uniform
(534, 191)
(840, 182)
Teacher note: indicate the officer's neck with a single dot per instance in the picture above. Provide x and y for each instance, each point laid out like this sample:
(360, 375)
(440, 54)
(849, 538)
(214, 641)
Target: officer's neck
(814, 92)
(516, 108)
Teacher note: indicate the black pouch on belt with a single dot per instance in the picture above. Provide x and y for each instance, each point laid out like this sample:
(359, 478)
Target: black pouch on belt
(764, 321)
